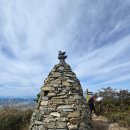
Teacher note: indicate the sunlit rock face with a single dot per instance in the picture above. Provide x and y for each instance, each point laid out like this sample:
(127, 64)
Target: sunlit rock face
(61, 105)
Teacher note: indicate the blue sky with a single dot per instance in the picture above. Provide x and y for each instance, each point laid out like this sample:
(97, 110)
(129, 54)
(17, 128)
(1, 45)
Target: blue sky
(94, 33)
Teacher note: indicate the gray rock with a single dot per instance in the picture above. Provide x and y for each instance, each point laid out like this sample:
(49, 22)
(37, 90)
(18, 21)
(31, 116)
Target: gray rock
(60, 97)
(65, 83)
(44, 103)
(48, 88)
(41, 127)
(56, 114)
(68, 75)
(55, 75)
(64, 107)
(78, 97)
(45, 98)
(38, 122)
(63, 119)
(49, 125)
(51, 94)
(63, 114)
(74, 114)
(75, 120)
(73, 127)
(61, 68)
(67, 110)
(70, 81)
(61, 124)
(57, 81)
(61, 94)
(67, 88)
(55, 85)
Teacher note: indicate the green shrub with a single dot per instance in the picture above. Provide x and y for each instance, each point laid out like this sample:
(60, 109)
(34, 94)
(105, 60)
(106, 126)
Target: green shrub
(37, 98)
(115, 105)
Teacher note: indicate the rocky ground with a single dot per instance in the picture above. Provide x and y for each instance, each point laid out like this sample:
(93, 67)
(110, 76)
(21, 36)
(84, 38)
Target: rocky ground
(102, 123)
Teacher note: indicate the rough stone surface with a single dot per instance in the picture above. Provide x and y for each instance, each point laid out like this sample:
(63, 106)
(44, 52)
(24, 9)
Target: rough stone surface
(44, 103)
(61, 105)
(55, 114)
(74, 114)
(60, 124)
(73, 127)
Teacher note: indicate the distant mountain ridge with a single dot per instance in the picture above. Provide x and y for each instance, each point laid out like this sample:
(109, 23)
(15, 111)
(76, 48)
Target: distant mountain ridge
(25, 97)
(17, 102)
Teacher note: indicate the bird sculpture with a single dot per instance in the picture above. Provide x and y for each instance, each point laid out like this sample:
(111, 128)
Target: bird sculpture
(62, 56)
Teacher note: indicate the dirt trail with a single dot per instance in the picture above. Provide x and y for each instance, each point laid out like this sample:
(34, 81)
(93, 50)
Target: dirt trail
(102, 123)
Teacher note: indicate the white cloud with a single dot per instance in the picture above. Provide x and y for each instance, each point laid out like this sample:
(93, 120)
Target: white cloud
(103, 59)
(32, 32)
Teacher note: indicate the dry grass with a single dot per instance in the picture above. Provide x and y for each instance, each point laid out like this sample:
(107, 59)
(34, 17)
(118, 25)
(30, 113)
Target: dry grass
(102, 123)
(122, 118)
(14, 119)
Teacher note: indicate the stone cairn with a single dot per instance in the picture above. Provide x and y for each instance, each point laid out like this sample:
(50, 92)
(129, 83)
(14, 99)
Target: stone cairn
(61, 105)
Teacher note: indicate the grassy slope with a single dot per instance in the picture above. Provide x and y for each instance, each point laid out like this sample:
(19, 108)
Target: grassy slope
(14, 119)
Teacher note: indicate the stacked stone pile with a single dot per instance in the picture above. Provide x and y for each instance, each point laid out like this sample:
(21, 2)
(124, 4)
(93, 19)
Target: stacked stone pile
(61, 105)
